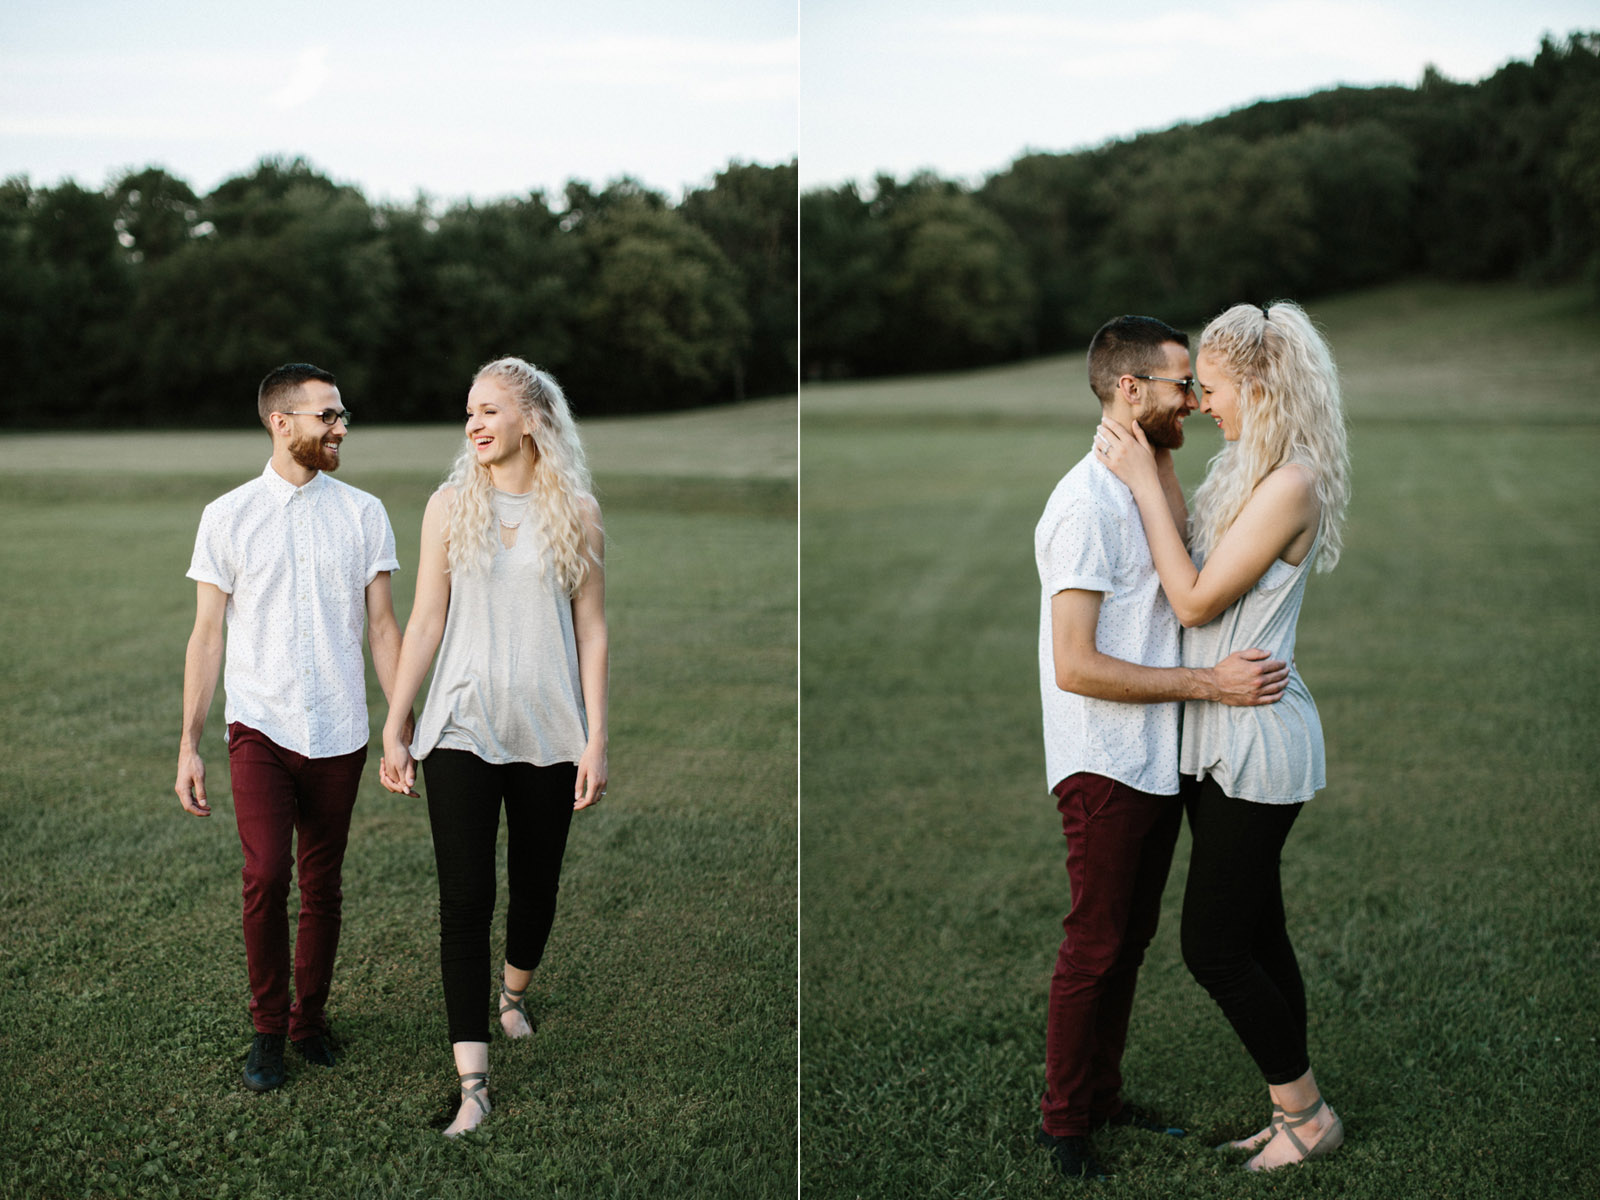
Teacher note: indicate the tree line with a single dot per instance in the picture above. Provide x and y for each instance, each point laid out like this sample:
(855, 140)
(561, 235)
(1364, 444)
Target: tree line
(1342, 189)
(145, 303)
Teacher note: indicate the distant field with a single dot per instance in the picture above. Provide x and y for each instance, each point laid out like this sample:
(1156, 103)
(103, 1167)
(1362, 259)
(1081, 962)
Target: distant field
(742, 441)
(1442, 891)
(665, 1060)
(1406, 352)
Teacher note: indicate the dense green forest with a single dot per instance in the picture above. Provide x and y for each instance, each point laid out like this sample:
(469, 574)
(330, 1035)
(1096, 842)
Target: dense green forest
(144, 303)
(1291, 198)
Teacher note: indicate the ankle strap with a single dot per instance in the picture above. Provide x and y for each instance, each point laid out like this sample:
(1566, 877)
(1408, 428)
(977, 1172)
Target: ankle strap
(1304, 1115)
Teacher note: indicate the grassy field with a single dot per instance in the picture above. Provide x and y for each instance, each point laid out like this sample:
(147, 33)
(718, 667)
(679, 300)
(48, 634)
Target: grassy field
(665, 1059)
(1442, 891)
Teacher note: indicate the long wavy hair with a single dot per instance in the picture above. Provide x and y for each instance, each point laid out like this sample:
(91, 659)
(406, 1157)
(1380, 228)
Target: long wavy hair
(1290, 411)
(561, 484)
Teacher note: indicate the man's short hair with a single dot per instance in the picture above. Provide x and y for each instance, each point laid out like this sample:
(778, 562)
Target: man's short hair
(277, 390)
(1129, 346)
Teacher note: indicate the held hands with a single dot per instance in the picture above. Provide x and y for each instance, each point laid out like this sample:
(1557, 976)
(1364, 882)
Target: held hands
(397, 770)
(191, 785)
(1127, 453)
(1249, 677)
(591, 781)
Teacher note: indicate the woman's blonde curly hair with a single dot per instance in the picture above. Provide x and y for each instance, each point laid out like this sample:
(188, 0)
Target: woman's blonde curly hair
(562, 490)
(1290, 411)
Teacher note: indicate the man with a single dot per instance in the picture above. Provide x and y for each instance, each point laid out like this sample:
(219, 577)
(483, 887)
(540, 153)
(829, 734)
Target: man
(292, 561)
(1111, 683)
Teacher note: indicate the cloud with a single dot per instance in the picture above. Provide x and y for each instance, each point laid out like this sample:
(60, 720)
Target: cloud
(763, 66)
(310, 74)
(1359, 39)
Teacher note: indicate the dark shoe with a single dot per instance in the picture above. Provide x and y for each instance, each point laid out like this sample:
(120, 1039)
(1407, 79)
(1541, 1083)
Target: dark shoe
(314, 1049)
(1132, 1116)
(263, 1070)
(1074, 1157)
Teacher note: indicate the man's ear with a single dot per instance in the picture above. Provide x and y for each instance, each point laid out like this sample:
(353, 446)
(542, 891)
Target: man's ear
(1131, 391)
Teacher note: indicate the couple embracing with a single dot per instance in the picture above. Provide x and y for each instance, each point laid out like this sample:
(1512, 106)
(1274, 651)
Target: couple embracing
(1143, 723)
(510, 595)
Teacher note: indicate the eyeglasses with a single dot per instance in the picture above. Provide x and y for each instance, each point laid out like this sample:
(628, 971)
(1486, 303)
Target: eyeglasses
(1190, 383)
(330, 416)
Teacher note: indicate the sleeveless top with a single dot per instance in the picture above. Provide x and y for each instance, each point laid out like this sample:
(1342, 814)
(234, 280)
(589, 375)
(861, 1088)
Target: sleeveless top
(1272, 753)
(506, 685)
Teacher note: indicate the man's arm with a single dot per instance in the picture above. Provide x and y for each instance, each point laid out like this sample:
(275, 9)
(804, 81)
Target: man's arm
(383, 636)
(1246, 677)
(383, 631)
(201, 662)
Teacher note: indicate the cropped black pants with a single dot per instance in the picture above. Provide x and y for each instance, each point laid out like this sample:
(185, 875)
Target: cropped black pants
(464, 798)
(1235, 938)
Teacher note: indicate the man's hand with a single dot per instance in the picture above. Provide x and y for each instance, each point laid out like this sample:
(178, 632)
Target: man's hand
(1249, 677)
(191, 785)
(397, 770)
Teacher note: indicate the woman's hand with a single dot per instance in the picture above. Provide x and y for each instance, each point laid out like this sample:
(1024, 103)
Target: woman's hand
(591, 782)
(1127, 453)
(397, 771)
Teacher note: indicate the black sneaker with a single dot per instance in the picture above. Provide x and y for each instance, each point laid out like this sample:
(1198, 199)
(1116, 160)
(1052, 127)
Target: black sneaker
(1132, 1116)
(315, 1049)
(1074, 1157)
(263, 1070)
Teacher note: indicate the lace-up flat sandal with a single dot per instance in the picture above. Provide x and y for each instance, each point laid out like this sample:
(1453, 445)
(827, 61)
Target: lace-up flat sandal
(511, 1002)
(1332, 1137)
(474, 1087)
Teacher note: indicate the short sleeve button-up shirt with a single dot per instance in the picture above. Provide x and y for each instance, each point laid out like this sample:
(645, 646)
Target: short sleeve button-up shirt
(1091, 538)
(295, 563)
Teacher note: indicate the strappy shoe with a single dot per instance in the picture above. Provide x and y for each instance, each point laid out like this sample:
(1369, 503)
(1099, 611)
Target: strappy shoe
(1332, 1137)
(511, 1002)
(1258, 1139)
(476, 1091)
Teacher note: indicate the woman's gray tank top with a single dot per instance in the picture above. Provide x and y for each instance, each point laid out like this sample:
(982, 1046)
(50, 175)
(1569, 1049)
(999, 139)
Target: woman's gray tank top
(1272, 753)
(506, 685)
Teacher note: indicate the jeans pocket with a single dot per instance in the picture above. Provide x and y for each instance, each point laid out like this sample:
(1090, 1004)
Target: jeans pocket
(1096, 797)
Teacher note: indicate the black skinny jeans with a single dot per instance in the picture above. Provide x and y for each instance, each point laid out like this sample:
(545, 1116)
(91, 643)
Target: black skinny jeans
(1235, 940)
(464, 797)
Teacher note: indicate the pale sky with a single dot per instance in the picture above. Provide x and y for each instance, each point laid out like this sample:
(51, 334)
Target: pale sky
(479, 98)
(965, 86)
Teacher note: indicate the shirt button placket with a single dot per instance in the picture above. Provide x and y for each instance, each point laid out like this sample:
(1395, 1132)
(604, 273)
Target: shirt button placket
(306, 644)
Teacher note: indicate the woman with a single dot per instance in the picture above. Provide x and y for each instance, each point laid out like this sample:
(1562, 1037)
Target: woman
(1271, 506)
(511, 580)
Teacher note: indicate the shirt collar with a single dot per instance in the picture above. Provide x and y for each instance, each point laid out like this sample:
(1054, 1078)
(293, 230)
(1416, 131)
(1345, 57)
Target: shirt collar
(281, 490)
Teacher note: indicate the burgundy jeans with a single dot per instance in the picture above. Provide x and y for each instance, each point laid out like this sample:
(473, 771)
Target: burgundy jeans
(1119, 848)
(276, 794)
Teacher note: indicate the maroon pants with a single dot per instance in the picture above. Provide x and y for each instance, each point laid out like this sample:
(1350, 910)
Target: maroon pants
(1119, 848)
(276, 794)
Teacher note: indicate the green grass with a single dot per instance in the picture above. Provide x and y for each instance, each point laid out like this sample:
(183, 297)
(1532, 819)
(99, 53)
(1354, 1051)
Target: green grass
(1442, 890)
(665, 1060)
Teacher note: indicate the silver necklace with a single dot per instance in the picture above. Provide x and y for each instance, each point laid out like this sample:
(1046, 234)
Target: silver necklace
(507, 505)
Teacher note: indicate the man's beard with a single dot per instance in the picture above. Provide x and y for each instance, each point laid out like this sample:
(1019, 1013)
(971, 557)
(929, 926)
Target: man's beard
(311, 454)
(1163, 430)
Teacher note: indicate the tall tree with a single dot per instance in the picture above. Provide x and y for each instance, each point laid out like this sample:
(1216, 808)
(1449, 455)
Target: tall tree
(750, 213)
(660, 311)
